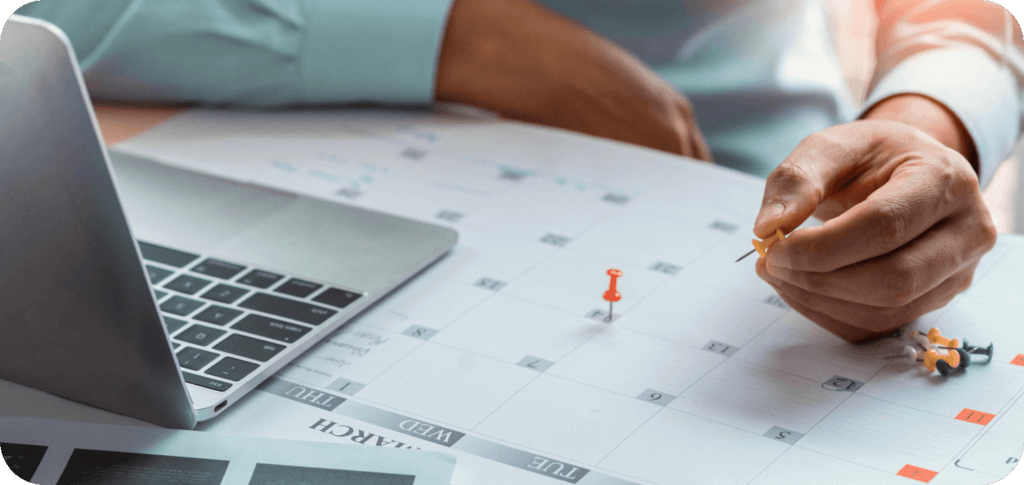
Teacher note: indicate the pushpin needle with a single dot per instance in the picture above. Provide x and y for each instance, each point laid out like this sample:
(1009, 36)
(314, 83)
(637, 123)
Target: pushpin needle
(763, 245)
(745, 255)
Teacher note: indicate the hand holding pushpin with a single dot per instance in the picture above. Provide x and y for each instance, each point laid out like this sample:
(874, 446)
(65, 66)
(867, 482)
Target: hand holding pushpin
(612, 295)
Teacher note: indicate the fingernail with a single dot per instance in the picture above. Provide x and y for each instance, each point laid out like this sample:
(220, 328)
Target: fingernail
(769, 214)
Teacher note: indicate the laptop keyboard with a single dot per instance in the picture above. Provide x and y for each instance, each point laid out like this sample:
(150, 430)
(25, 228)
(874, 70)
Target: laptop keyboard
(226, 320)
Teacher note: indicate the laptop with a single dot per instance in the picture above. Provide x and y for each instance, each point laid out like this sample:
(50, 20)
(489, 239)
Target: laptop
(156, 292)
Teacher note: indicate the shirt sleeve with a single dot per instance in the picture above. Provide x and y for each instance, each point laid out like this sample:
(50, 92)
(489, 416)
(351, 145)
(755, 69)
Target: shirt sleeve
(254, 52)
(965, 54)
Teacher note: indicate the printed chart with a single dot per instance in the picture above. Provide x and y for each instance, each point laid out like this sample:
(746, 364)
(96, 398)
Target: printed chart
(501, 352)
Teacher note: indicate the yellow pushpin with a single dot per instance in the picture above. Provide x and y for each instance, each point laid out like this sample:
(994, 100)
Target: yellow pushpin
(762, 246)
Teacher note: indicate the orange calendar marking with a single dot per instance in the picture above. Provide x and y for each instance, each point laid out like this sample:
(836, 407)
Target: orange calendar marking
(917, 473)
(976, 417)
(1019, 360)
(612, 295)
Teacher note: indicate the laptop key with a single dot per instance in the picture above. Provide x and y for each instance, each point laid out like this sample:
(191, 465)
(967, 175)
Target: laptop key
(337, 297)
(218, 269)
(157, 275)
(172, 324)
(232, 369)
(159, 294)
(179, 305)
(270, 328)
(299, 288)
(291, 309)
(250, 348)
(194, 359)
(203, 381)
(170, 257)
(175, 345)
(218, 315)
(259, 279)
(187, 284)
(199, 335)
(225, 293)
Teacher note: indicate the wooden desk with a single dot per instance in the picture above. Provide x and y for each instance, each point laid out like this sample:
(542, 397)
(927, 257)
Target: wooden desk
(119, 122)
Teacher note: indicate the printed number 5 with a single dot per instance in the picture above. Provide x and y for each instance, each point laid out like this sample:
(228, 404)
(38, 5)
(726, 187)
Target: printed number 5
(654, 396)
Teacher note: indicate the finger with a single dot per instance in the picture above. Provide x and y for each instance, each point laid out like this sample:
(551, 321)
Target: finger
(898, 277)
(795, 188)
(874, 318)
(917, 196)
(849, 333)
(846, 331)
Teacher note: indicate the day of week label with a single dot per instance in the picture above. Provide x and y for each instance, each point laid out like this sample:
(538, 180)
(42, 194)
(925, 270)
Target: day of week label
(916, 473)
(976, 417)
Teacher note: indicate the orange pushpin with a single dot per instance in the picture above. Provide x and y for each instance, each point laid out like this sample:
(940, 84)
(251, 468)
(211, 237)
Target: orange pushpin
(762, 246)
(612, 295)
(936, 338)
(932, 359)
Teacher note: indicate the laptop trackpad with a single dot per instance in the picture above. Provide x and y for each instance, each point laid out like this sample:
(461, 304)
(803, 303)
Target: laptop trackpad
(188, 210)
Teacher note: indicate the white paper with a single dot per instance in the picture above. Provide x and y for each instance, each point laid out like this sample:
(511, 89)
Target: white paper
(51, 451)
(501, 352)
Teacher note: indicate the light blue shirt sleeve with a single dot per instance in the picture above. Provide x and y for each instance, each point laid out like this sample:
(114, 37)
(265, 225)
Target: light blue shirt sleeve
(254, 52)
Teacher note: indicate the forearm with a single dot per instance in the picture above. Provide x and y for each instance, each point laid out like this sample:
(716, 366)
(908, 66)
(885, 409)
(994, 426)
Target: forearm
(963, 60)
(254, 53)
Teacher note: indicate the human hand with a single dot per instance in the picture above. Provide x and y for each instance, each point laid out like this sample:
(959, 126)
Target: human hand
(905, 227)
(526, 62)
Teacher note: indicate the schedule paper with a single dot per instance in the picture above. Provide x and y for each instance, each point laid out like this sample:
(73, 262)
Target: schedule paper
(502, 353)
(44, 452)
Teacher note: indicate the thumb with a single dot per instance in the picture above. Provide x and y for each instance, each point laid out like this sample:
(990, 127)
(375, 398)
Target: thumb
(808, 175)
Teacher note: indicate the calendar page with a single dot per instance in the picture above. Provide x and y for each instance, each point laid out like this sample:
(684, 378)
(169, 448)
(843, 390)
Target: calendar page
(506, 353)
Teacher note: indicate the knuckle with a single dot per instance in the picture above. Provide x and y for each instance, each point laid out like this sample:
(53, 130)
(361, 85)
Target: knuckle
(965, 281)
(899, 285)
(988, 232)
(790, 175)
(892, 225)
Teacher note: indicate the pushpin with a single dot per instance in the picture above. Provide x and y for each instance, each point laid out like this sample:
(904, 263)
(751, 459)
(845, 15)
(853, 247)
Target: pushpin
(909, 356)
(763, 245)
(612, 295)
(945, 364)
(935, 337)
(987, 351)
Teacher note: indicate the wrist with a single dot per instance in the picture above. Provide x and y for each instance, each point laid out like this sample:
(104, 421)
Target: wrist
(929, 116)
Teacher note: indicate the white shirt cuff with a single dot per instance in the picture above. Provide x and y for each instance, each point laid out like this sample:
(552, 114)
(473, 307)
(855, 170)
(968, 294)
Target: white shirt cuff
(980, 92)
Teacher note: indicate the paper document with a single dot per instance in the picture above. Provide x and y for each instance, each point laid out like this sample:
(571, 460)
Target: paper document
(502, 353)
(45, 452)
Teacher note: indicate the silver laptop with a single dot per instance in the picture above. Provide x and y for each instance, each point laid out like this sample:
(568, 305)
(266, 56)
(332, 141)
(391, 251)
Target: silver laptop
(152, 291)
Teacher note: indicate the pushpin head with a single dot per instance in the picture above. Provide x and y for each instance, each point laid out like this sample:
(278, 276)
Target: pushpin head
(965, 358)
(612, 294)
(763, 245)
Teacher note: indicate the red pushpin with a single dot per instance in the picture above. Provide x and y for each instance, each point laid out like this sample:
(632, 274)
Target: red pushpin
(612, 295)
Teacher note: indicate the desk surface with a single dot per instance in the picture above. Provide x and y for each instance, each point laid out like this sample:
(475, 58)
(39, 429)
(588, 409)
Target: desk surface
(544, 308)
(119, 122)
